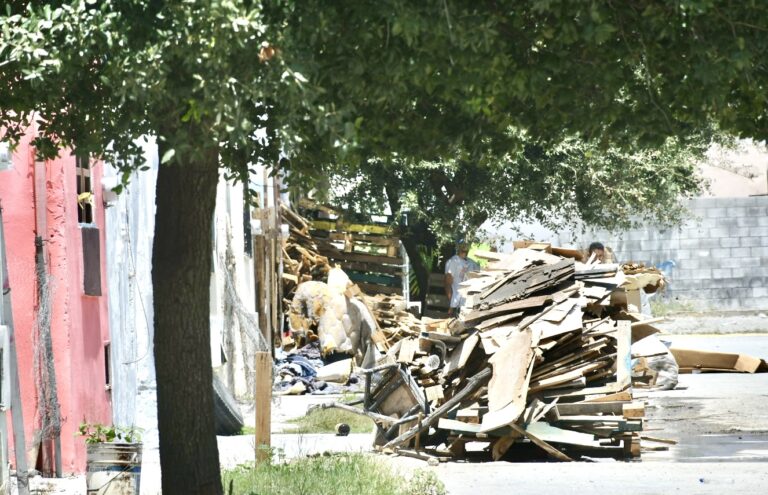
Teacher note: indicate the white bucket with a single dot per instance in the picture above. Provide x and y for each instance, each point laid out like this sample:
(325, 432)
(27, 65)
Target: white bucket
(113, 468)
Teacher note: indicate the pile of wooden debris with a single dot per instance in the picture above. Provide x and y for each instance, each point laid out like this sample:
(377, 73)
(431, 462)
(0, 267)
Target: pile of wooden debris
(302, 260)
(538, 363)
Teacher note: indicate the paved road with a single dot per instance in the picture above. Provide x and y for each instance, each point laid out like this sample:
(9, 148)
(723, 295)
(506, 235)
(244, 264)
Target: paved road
(719, 420)
(618, 478)
(713, 416)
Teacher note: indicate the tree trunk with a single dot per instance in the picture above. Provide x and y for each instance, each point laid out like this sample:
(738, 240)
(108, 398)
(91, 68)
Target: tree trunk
(181, 273)
(411, 245)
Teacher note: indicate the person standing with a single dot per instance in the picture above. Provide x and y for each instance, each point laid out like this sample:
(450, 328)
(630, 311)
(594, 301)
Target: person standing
(598, 249)
(456, 270)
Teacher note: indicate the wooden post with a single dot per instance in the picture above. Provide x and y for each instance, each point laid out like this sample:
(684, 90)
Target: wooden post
(6, 318)
(278, 262)
(259, 266)
(263, 405)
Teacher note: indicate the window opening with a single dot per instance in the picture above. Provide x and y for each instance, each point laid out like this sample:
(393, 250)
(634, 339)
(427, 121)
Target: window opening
(85, 196)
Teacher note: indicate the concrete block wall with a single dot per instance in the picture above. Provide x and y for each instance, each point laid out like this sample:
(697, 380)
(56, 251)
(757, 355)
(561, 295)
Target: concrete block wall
(718, 260)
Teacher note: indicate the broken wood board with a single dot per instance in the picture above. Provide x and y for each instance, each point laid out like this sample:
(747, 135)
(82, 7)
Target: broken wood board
(623, 369)
(648, 347)
(522, 258)
(498, 320)
(483, 314)
(552, 434)
(460, 355)
(591, 408)
(523, 284)
(542, 444)
(508, 388)
(691, 359)
(569, 323)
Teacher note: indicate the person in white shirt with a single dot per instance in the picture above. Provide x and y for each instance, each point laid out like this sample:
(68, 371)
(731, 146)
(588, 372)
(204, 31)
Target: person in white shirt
(456, 270)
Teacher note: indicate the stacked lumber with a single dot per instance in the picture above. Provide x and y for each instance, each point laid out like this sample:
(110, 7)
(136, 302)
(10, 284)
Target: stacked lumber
(532, 366)
(369, 252)
(302, 260)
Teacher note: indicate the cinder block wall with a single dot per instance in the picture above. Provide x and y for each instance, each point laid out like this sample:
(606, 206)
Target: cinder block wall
(716, 261)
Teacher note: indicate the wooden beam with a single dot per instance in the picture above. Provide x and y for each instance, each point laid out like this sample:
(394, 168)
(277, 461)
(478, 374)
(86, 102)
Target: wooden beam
(263, 405)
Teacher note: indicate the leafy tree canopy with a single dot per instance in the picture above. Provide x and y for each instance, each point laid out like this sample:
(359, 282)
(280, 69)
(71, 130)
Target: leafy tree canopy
(443, 78)
(554, 186)
(495, 89)
(546, 110)
(99, 75)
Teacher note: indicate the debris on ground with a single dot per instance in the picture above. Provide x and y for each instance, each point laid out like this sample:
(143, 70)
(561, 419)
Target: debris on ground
(539, 357)
(548, 359)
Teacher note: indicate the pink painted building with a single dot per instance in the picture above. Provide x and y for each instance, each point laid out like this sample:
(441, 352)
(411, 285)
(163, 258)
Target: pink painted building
(49, 202)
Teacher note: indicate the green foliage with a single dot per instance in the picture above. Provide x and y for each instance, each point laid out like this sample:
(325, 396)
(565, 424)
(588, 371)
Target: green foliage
(428, 260)
(325, 421)
(558, 186)
(661, 306)
(99, 433)
(523, 110)
(451, 79)
(340, 474)
(99, 76)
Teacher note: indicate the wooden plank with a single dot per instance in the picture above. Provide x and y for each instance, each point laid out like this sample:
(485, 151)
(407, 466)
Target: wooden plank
(552, 434)
(595, 271)
(460, 426)
(522, 258)
(408, 348)
(508, 390)
(372, 267)
(531, 302)
(362, 258)
(590, 408)
(510, 366)
(624, 395)
(263, 406)
(550, 450)
(434, 393)
(633, 410)
(659, 440)
(372, 239)
(534, 245)
(498, 320)
(570, 323)
(458, 358)
(373, 289)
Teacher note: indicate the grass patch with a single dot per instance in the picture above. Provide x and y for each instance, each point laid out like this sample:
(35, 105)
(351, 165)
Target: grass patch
(325, 421)
(342, 474)
(666, 307)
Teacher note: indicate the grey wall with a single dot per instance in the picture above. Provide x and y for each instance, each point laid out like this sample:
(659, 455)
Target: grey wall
(716, 261)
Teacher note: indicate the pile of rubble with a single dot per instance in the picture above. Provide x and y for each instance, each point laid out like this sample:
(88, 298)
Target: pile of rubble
(545, 360)
(538, 357)
(302, 260)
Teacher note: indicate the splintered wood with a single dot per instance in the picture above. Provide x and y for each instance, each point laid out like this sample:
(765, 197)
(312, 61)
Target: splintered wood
(534, 360)
(301, 257)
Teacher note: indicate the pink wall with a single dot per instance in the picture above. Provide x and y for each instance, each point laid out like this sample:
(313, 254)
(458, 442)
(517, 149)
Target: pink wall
(80, 323)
